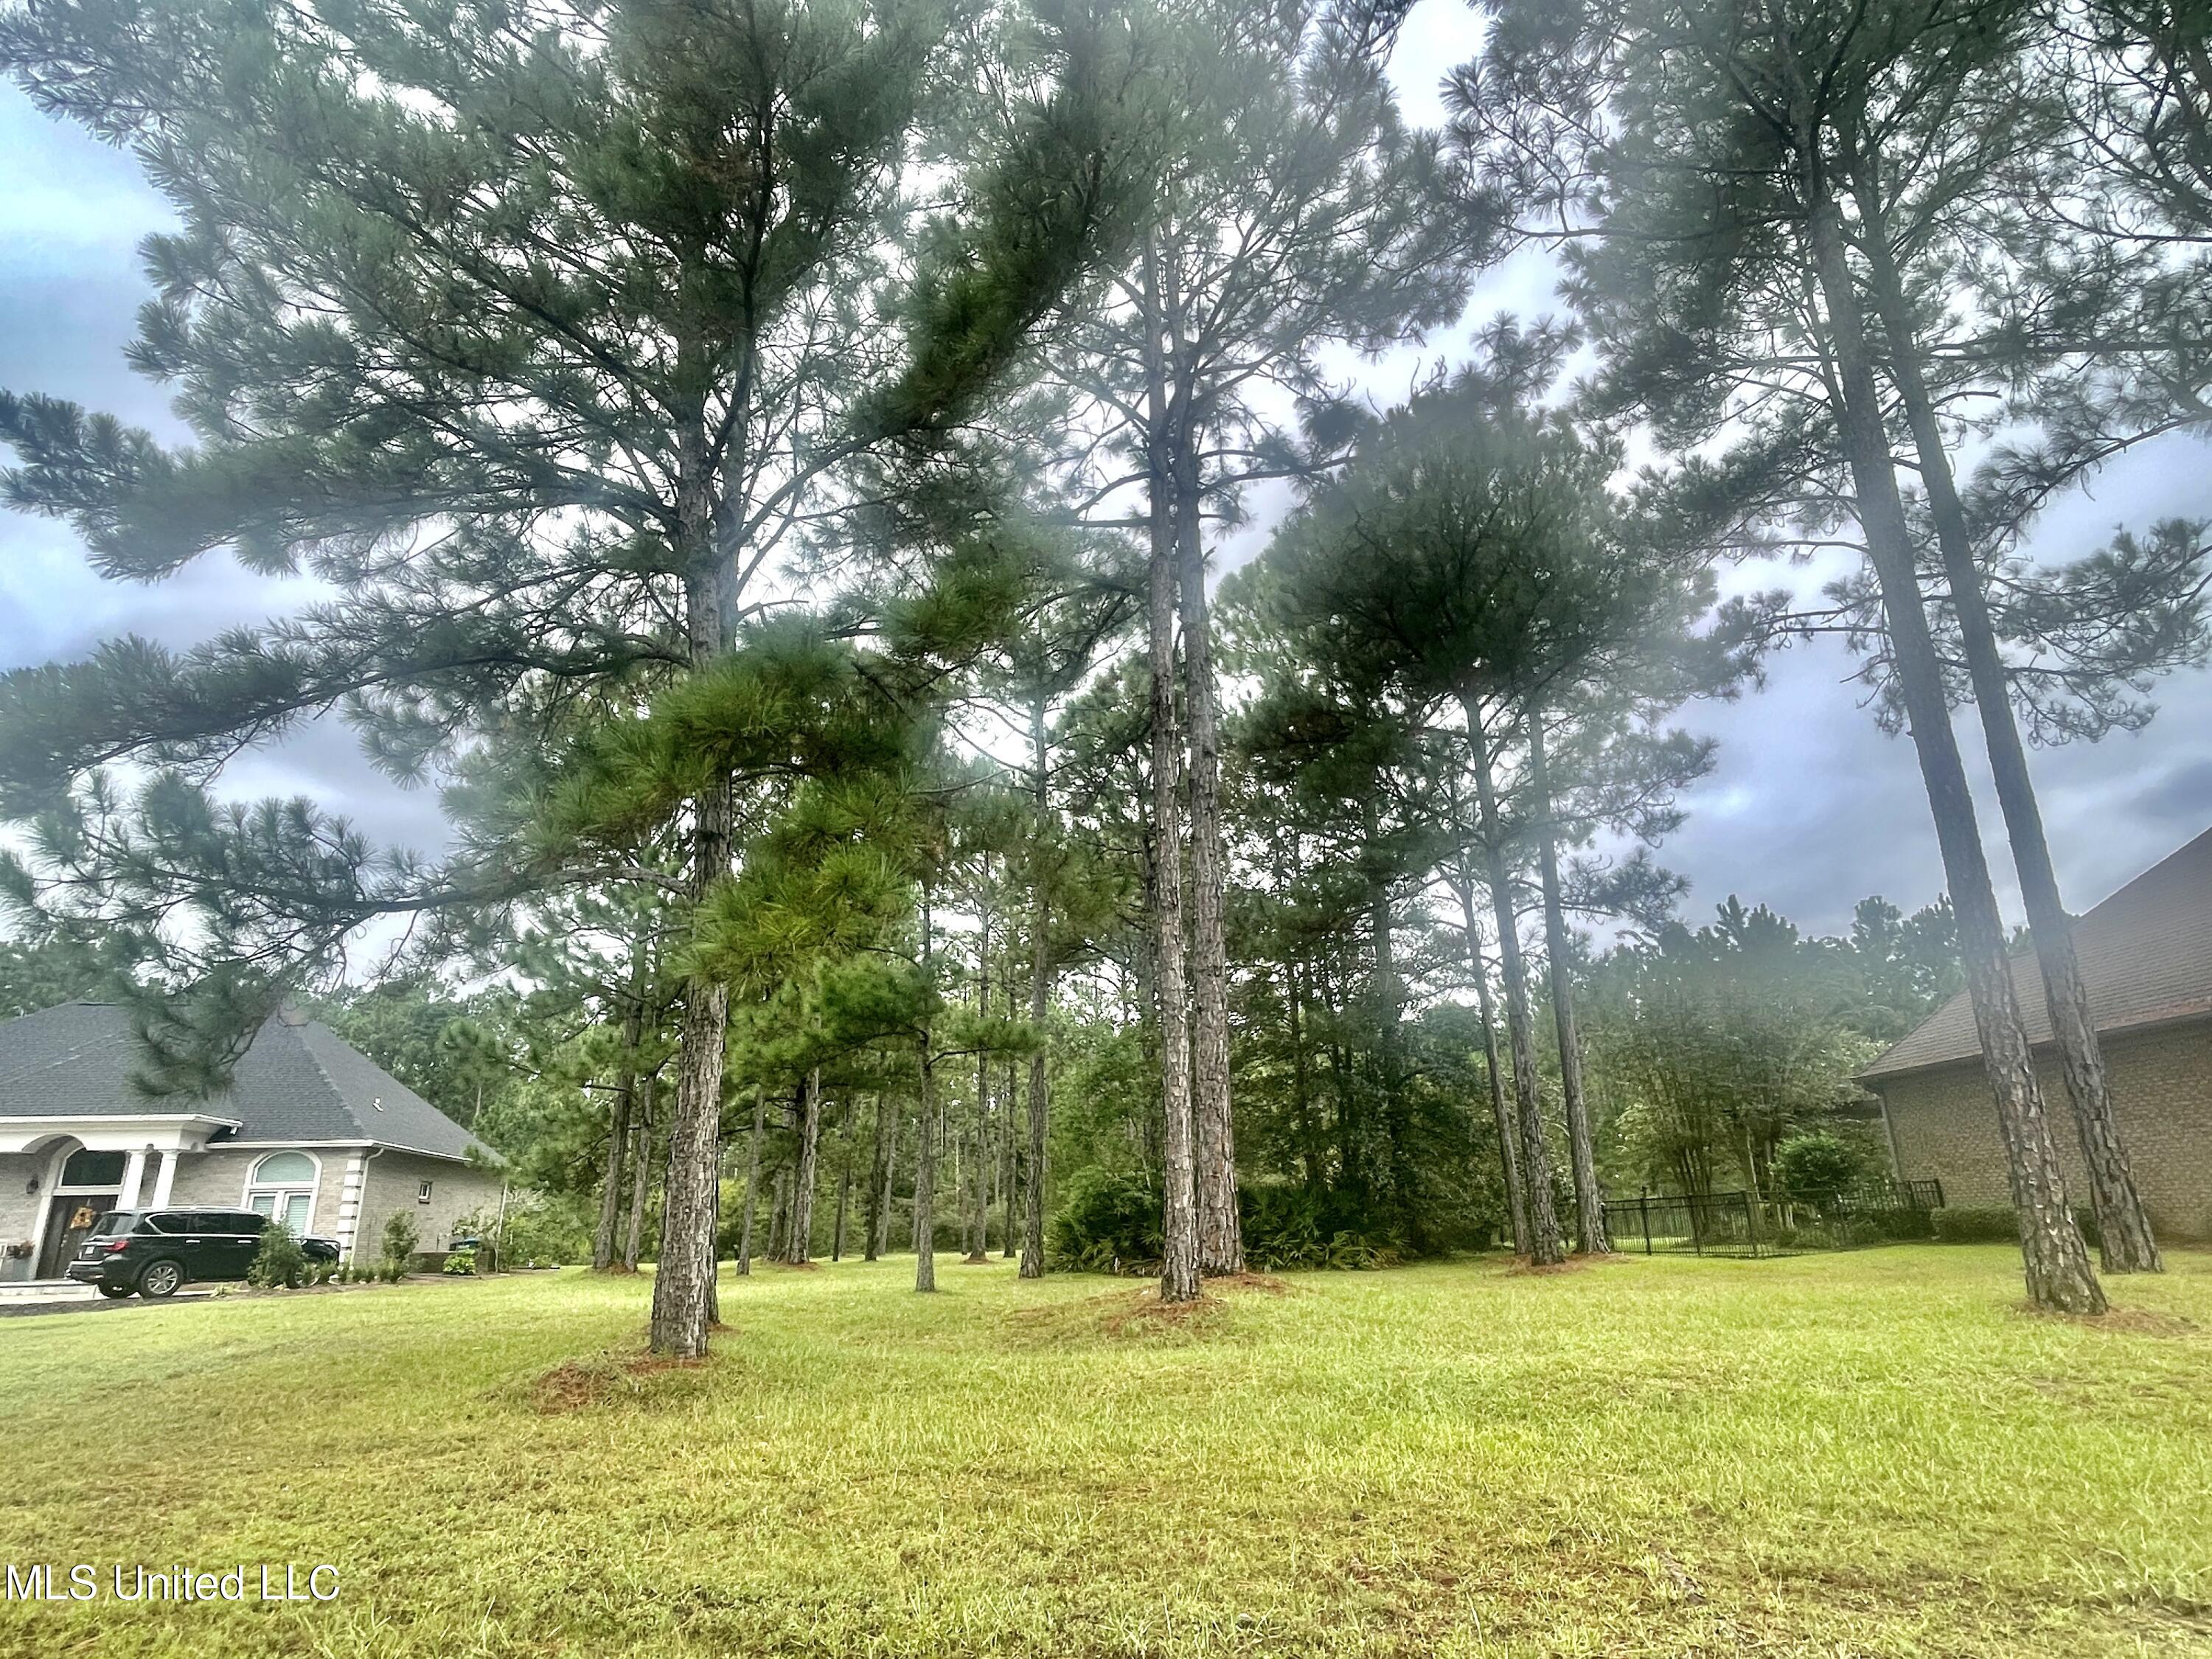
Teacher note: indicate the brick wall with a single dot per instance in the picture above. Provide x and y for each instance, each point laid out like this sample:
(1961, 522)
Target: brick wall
(1943, 1123)
(393, 1181)
(216, 1178)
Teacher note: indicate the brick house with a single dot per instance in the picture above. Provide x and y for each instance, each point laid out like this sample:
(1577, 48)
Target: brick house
(311, 1131)
(2146, 955)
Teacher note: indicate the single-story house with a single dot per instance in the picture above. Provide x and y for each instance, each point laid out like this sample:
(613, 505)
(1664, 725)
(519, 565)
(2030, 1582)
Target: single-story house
(2146, 954)
(311, 1131)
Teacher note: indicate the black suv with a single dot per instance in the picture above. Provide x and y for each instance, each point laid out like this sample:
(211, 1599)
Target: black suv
(154, 1252)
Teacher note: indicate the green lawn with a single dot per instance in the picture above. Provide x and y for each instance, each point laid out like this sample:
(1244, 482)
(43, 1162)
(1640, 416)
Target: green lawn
(1874, 1453)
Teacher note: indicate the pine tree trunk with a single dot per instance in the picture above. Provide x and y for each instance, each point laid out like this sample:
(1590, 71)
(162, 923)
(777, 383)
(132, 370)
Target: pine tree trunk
(1220, 1232)
(714, 1246)
(752, 1180)
(610, 1191)
(1040, 996)
(1010, 1213)
(844, 1184)
(925, 1177)
(2127, 1244)
(1590, 1213)
(976, 1194)
(1301, 1080)
(1179, 1270)
(1516, 1207)
(879, 1183)
(977, 1199)
(1545, 1248)
(683, 1279)
(641, 1184)
(925, 1164)
(779, 1215)
(2058, 1273)
(799, 1248)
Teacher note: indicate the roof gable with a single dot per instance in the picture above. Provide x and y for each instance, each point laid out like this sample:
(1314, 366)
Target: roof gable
(299, 1082)
(2145, 955)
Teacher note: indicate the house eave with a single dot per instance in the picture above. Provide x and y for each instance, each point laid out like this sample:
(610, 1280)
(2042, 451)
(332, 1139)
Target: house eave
(2181, 1014)
(117, 1132)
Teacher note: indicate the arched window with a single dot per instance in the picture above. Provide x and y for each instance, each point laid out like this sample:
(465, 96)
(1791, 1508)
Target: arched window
(282, 1187)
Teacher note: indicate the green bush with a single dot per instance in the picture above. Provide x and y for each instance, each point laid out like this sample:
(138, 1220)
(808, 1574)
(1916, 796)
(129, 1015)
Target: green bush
(546, 1230)
(1289, 1228)
(1816, 1169)
(400, 1239)
(1111, 1223)
(1993, 1225)
(1106, 1223)
(461, 1263)
(1998, 1224)
(280, 1261)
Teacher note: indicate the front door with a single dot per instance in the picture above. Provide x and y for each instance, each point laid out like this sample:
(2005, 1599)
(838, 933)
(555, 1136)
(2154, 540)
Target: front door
(69, 1224)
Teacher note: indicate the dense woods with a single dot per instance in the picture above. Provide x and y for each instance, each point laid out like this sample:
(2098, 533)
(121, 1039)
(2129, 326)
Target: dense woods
(771, 467)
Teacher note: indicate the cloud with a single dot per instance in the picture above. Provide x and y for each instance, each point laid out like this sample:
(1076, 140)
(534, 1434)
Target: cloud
(1810, 808)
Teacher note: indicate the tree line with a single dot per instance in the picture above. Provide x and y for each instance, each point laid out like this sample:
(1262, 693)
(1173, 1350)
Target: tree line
(766, 462)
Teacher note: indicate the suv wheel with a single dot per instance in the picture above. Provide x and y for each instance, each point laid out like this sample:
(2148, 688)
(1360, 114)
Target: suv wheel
(115, 1292)
(160, 1278)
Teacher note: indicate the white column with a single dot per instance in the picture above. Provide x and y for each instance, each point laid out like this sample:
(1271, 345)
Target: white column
(350, 1207)
(164, 1177)
(134, 1171)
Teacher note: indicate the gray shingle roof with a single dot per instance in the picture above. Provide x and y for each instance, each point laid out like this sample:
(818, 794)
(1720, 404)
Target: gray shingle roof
(2146, 953)
(299, 1081)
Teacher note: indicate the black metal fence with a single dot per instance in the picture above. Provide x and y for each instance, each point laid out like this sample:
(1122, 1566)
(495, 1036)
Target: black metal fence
(1739, 1224)
(1709, 1224)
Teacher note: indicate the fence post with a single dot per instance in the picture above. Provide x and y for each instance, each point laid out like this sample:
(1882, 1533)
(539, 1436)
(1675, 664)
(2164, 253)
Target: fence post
(1751, 1221)
(1645, 1201)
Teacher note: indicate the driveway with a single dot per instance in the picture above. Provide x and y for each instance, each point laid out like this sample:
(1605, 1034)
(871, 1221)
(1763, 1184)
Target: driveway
(57, 1299)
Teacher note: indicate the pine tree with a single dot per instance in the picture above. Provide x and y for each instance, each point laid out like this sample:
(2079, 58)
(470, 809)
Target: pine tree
(1291, 211)
(533, 334)
(1473, 557)
(1708, 143)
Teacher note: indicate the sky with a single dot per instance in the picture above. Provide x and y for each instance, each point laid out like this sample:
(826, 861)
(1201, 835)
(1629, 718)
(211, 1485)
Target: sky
(1810, 808)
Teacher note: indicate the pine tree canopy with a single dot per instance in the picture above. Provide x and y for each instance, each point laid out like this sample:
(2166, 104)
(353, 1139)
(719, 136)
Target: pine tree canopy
(533, 333)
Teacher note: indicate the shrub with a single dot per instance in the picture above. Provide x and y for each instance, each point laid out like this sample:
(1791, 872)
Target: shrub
(1110, 1223)
(400, 1239)
(1287, 1228)
(1816, 1169)
(554, 1228)
(1106, 1223)
(1993, 1225)
(280, 1261)
(460, 1263)
(1998, 1224)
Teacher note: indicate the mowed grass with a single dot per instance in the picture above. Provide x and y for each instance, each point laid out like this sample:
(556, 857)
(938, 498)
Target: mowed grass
(1875, 1453)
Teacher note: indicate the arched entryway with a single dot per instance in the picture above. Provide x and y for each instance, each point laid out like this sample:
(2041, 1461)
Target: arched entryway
(87, 1185)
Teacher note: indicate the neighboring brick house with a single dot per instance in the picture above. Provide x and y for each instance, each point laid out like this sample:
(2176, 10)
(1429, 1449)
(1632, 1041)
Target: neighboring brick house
(311, 1131)
(2146, 954)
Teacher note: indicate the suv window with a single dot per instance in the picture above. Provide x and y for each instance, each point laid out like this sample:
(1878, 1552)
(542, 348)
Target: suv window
(112, 1224)
(236, 1221)
(175, 1223)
